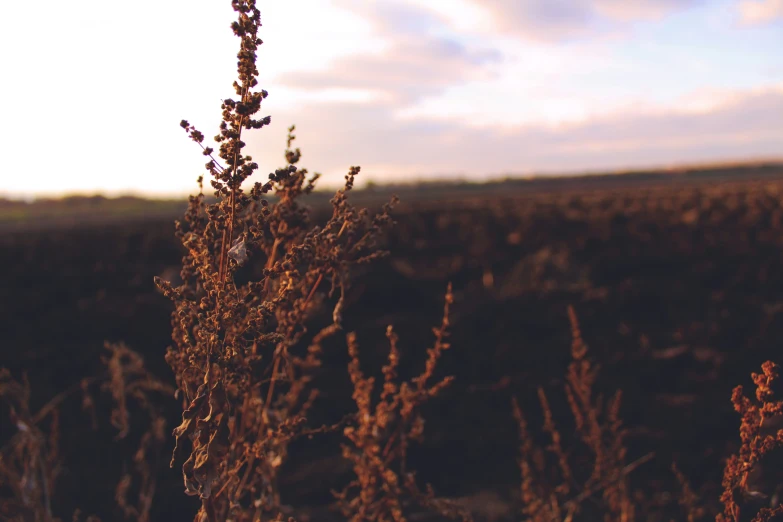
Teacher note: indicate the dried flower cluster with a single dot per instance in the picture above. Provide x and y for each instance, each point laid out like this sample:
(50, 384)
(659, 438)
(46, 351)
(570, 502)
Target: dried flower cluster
(756, 444)
(596, 463)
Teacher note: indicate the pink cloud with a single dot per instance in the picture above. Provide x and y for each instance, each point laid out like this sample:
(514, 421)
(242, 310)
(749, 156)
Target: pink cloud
(335, 136)
(559, 19)
(760, 11)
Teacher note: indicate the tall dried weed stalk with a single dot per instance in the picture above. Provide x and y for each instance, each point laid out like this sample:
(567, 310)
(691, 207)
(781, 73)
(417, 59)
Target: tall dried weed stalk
(379, 438)
(557, 481)
(238, 354)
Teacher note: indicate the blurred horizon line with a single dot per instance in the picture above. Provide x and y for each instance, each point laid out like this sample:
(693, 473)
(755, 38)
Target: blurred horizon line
(430, 180)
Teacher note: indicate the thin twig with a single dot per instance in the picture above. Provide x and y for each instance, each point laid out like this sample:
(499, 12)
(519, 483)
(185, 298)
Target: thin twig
(578, 499)
(60, 397)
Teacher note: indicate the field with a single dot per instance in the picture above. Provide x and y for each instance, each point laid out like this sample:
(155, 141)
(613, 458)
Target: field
(676, 283)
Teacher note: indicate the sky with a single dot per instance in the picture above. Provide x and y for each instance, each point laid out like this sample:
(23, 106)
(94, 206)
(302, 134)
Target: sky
(92, 92)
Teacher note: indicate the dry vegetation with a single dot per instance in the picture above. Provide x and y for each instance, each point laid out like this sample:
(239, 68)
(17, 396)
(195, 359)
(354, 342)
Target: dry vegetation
(260, 308)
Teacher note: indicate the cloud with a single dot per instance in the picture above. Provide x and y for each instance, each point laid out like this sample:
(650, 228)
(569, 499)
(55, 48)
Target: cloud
(629, 10)
(760, 11)
(389, 149)
(406, 72)
(419, 59)
(542, 18)
(561, 19)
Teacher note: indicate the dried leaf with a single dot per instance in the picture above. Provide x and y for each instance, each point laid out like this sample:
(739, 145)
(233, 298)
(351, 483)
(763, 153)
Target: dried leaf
(238, 252)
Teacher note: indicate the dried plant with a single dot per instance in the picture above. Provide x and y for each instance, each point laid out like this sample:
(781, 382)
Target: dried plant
(30, 461)
(555, 482)
(379, 438)
(737, 496)
(235, 341)
(133, 387)
(688, 500)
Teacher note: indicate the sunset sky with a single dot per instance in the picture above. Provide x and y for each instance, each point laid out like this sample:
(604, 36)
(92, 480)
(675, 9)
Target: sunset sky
(92, 91)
